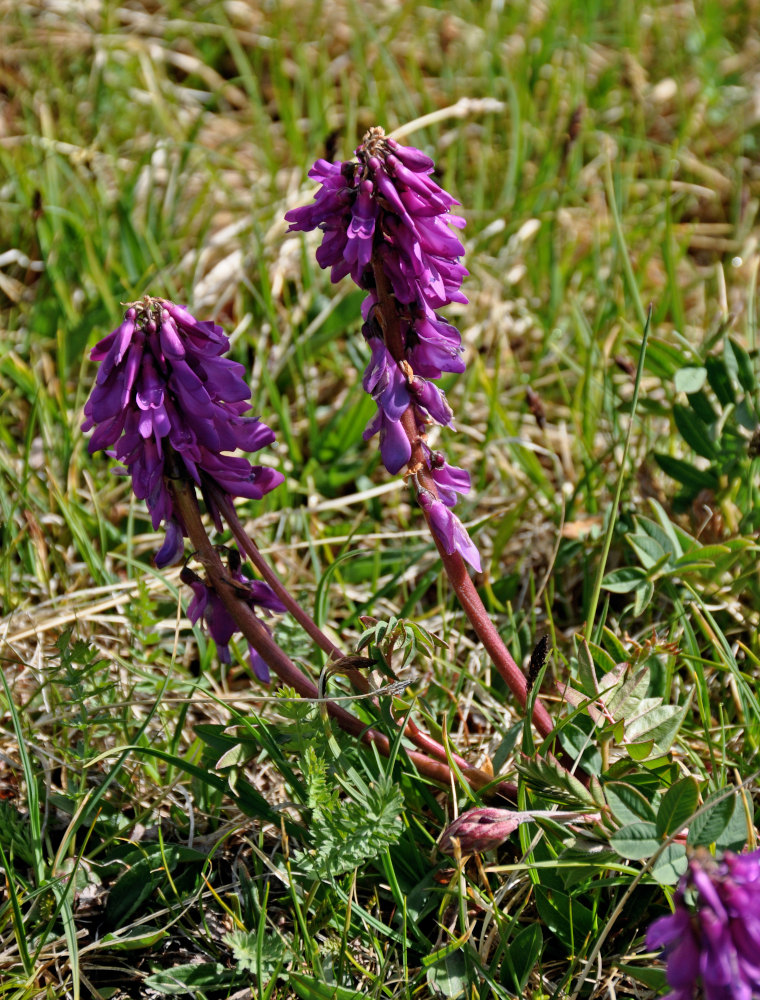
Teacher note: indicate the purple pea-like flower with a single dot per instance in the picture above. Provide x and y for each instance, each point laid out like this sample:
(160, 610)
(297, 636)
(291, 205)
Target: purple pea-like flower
(449, 529)
(384, 214)
(167, 405)
(712, 948)
(207, 606)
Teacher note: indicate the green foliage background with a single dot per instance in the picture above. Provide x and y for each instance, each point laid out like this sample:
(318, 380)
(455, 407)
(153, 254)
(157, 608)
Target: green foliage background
(167, 826)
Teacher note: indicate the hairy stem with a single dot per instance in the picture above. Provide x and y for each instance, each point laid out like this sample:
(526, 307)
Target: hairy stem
(453, 564)
(258, 636)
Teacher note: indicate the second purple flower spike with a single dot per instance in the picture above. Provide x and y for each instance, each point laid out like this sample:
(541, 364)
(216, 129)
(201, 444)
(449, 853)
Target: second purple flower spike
(388, 224)
(167, 404)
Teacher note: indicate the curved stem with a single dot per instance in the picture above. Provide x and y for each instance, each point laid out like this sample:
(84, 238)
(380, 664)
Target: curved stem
(258, 636)
(453, 564)
(246, 543)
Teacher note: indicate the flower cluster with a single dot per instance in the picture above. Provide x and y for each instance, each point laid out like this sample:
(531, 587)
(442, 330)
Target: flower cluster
(715, 952)
(167, 405)
(387, 224)
(208, 606)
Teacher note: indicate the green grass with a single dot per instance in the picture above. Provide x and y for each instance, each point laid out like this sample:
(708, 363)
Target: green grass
(166, 824)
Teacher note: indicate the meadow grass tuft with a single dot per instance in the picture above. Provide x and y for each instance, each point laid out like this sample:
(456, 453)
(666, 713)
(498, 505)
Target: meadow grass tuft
(167, 825)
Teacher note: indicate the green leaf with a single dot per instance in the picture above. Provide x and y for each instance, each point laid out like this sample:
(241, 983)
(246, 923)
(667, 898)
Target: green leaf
(642, 596)
(734, 837)
(260, 954)
(134, 938)
(649, 551)
(741, 364)
(182, 980)
(660, 724)
(624, 580)
(640, 751)
(710, 824)
(349, 833)
(700, 403)
(627, 803)
(667, 540)
(677, 806)
(448, 976)
(653, 978)
(636, 841)
(549, 778)
(686, 474)
(690, 379)
(670, 865)
(570, 920)
(720, 380)
(601, 658)
(523, 952)
(693, 431)
(309, 988)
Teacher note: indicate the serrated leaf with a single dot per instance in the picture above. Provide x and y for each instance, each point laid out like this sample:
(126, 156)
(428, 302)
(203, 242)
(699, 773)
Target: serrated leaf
(670, 865)
(636, 841)
(677, 806)
(261, 955)
(710, 824)
(627, 803)
(694, 432)
(347, 834)
(690, 379)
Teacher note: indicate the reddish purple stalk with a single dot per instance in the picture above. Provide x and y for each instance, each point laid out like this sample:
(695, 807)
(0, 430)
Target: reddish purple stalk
(453, 564)
(258, 636)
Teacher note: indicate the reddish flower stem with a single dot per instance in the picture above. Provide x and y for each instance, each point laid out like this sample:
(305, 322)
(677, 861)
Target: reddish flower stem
(227, 508)
(453, 564)
(258, 636)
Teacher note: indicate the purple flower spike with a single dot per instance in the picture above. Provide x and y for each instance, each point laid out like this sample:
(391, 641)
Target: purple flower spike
(715, 952)
(388, 224)
(166, 404)
(207, 606)
(449, 529)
